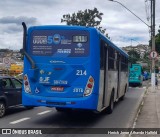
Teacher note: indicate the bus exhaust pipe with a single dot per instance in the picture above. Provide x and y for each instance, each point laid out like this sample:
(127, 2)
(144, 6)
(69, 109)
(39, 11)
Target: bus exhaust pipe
(23, 51)
(24, 35)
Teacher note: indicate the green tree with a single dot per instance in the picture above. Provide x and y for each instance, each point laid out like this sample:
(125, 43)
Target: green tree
(157, 41)
(147, 60)
(133, 56)
(88, 17)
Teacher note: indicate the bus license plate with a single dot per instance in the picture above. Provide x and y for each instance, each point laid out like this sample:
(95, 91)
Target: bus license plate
(57, 88)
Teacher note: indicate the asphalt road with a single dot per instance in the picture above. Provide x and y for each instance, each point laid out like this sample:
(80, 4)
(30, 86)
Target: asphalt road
(43, 117)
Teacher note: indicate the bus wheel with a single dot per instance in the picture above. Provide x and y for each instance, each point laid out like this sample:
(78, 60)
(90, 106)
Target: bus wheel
(59, 109)
(29, 107)
(2, 109)
(111, 104)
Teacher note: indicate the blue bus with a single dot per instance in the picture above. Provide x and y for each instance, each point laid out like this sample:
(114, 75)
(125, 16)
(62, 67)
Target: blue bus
(72, 67)
(135, 75)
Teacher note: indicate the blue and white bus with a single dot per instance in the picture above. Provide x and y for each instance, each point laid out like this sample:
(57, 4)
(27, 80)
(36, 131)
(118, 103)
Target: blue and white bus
(72, 67)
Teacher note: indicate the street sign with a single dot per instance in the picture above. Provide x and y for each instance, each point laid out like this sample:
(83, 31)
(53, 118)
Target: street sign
(7, 61)
(153, 54)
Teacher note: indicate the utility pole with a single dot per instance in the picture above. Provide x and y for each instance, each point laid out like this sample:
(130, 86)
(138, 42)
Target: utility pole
(151, 20)
(152, 28)
(153, 42)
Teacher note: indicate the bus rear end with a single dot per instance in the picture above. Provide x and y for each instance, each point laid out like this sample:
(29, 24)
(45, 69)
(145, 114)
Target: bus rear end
(62, 76)
(135, 75)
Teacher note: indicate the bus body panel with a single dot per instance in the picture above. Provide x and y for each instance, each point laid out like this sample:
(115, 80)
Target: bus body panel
(124, 84)
(101, 90)
(112, 86)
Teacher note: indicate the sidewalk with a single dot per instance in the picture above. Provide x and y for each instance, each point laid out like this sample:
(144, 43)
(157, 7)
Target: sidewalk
(149, 115)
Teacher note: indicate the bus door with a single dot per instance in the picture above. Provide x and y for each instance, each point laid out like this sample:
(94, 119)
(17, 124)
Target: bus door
(102, 88)
(104, 69)
(106, 96)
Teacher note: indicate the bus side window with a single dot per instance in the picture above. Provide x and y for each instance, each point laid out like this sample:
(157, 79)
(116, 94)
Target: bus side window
(124, 64)
(102, 55)
(111, 58)
(115, 60)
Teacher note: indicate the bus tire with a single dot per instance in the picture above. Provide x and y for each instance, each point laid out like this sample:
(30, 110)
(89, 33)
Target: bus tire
(2, 109)
(111, 104)
(29, 107)
(59, 109)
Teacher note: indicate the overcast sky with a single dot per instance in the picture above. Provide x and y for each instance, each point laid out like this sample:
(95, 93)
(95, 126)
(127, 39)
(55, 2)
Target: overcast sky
(120, 24)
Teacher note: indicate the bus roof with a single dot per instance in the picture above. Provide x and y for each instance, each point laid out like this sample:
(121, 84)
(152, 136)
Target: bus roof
(64, 27)
(113, 45)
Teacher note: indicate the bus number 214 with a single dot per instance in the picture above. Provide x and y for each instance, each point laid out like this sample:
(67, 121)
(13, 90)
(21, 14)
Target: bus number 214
(81, 72)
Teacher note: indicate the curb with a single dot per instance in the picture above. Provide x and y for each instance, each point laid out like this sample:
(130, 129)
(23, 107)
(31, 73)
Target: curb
(137, 112)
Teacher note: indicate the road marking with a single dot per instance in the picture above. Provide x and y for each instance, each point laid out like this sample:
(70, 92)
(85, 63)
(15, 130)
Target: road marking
(44, 112)
(137, 87)
(20, 120)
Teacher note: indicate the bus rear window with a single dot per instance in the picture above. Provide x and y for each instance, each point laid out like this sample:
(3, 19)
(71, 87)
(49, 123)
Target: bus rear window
(135, 68)
(60, 43)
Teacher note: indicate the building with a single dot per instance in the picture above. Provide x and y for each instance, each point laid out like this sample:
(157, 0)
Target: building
(140, 49)
(10, 61)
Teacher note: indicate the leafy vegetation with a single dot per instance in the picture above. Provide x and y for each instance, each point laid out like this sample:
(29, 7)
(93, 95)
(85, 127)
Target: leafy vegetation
(133, 56)
(157, 42)
(88, 17)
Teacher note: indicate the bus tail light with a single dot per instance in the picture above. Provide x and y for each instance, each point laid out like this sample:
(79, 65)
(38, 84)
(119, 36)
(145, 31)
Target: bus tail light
(25, 77)
(89, 86)
(26, 83)
(27, 88)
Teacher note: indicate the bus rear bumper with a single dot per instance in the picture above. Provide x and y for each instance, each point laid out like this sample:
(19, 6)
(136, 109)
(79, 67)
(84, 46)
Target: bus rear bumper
(89, 102)
(135, 82)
